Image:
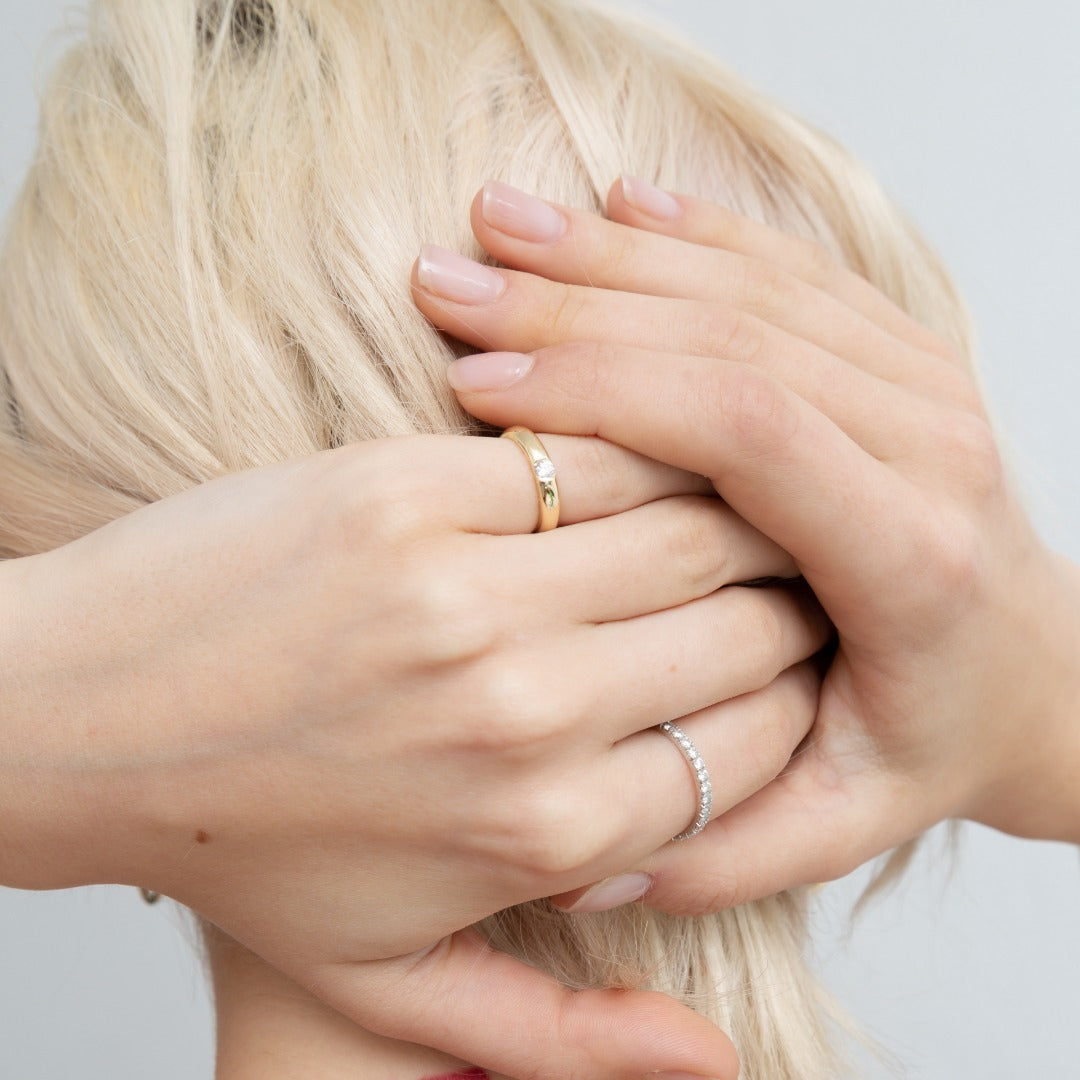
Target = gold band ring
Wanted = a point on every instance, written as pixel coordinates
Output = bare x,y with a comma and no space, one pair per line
543,474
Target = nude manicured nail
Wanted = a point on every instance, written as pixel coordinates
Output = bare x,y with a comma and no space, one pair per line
488,371
675,1076
517,214
612,893
649,199
453,277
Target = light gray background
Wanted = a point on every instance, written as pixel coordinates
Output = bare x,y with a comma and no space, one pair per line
970,112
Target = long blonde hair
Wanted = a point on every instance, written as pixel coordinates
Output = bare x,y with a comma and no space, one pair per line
208,270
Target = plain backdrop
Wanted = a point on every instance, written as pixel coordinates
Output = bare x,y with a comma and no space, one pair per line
970,112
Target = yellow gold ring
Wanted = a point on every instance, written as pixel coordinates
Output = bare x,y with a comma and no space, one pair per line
543,474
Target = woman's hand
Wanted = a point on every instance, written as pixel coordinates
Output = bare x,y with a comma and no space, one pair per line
854,438
346,706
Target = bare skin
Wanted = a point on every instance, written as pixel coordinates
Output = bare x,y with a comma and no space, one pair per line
347,706
269,1028
855,439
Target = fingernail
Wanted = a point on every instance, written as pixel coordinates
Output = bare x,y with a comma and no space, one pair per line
675,1076
611,893
468,1074
649,199
488,371
453,277
517,214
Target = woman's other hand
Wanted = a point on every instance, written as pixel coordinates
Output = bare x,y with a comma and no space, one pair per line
857,440
346,706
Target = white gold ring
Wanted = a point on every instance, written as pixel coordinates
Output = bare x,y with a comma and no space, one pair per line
701,777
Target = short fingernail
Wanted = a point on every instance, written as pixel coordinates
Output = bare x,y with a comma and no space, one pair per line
517,214
488,371
453,277
613,892
649,199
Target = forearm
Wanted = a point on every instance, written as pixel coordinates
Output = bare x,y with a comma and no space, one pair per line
58,807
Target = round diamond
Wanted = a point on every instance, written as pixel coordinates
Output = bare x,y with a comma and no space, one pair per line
545,470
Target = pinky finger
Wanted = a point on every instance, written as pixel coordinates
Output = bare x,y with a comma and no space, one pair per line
745,742
809,825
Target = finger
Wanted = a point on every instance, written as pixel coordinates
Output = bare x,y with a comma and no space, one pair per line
819,820
657,556
571,819
480,1005
585,249
674,663
745,743
531,312
635,202
777,461
524,311
485,485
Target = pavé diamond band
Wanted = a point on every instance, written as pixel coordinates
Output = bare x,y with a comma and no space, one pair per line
701,777
543,471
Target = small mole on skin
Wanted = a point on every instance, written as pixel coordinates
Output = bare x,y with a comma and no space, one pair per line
202,837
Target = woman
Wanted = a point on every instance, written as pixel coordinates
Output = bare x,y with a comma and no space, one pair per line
328,351
246,31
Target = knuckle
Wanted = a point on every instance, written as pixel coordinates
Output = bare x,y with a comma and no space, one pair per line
695,544
775,737
585,371
371,513
839,856
732,334
608,468
957,569
700,894
800,689
766,289
752,406
516,711
974,450
621,254
450,623
817,266
953,355
954,386
763,632
946,569
562,310
549,837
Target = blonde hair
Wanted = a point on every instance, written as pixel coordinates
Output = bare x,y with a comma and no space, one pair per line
208,270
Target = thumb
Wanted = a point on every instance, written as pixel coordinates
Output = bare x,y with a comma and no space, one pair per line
482,1006
816,822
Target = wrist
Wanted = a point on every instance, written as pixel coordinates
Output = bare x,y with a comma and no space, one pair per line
60,808
1036,793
